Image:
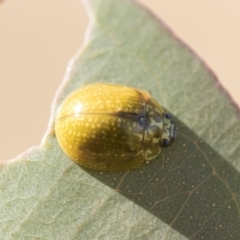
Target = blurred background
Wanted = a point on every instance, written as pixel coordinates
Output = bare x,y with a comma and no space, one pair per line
38,38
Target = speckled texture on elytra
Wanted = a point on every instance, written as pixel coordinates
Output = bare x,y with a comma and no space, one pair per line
110,127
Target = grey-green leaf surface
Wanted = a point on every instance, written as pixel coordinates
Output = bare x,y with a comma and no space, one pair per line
191,191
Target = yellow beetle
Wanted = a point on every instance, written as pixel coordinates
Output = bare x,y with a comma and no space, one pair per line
110,127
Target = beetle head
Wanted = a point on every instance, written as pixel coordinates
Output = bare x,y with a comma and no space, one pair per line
169,130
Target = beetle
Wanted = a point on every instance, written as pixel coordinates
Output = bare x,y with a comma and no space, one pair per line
110,127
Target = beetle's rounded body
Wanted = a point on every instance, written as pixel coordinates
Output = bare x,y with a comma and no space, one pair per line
109,127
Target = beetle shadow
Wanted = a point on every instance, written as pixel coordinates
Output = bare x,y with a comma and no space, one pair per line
189,186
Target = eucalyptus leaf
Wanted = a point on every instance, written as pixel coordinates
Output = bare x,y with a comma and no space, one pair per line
191,191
